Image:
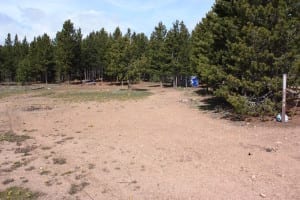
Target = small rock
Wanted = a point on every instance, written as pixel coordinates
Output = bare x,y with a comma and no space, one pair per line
269,149
280,175
262,195
278,142
184,100
253,177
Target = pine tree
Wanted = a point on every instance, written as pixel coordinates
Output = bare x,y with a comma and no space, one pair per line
157,53
119,55
102,45
178,49
139,61
173,48
45,57
1,64
184,54
27,70
244,47
203,50
8,69
89,56
68,47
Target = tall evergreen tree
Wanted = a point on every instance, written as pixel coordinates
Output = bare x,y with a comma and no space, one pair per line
28,70
178,49
102,45
139,61
118,56
186,69
45,57
89,56
1,63
68,47
8,69
157,53
202,51
249,47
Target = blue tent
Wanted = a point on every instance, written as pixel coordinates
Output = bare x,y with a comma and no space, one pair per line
194,81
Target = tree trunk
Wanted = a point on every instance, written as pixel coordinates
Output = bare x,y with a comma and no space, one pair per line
128,84
46,77
207,85
186,82
69,78
174,82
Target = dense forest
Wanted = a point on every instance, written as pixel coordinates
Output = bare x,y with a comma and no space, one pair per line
239,50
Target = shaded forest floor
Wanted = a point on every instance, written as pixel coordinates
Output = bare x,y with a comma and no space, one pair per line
71,142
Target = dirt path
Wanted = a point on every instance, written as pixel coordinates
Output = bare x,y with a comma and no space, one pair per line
154,148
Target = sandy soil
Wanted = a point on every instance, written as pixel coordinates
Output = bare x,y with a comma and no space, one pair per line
154,148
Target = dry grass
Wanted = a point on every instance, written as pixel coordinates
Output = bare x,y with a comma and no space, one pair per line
18,193
7,181
79,96
12,137
77,188
59,161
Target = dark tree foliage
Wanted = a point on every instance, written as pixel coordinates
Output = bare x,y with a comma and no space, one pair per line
99,56
8,68
117,56
138,62
68,52
178,50
158,54
1,63
94,55
243,47
38,63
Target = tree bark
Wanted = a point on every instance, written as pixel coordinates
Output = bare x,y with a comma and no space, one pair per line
128,84
46,77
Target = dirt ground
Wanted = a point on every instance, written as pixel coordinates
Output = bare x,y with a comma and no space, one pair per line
158,147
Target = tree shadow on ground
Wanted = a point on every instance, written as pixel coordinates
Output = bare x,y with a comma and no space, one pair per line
140,89
214,104
217,105
156,85
135,89
203,92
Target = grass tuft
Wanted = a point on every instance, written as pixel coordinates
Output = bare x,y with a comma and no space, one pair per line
122,95
12,137
59,161
18,193
77,188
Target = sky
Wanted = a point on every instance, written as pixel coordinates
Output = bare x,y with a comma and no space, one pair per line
35,17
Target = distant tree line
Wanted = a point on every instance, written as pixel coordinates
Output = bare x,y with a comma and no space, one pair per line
239,50
100,55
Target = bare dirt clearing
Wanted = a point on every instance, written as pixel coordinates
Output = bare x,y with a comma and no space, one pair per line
155,147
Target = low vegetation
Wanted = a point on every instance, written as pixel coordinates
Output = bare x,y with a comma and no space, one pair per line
77,188
12,137
10,91
101,96
59,161
18,193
